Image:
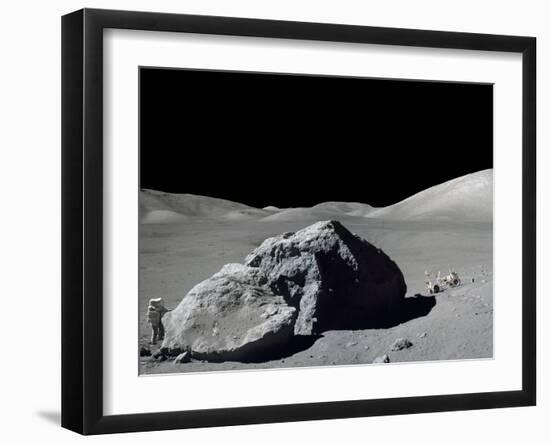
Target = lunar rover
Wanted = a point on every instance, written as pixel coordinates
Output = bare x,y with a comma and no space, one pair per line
438,284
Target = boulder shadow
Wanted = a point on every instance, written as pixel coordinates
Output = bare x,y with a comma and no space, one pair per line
296,344
383,318
416,306
276,351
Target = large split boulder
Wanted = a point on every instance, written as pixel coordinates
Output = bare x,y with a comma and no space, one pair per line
319,278
233,315
334,278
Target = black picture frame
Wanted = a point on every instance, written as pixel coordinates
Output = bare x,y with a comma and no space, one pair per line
82,220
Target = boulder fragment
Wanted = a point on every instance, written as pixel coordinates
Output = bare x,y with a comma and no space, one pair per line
232,315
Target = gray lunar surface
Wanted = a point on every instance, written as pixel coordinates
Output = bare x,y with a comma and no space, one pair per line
185,240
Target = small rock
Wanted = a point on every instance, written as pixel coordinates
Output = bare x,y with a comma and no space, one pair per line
382,359
144,352
159,356
184,357
423,335
400,344
366,347
350,344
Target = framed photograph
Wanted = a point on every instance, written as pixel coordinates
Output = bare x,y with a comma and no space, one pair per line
269,221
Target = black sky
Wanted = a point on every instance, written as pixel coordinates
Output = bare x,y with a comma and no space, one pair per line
288,140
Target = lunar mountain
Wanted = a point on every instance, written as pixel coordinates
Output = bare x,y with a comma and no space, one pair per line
467,198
